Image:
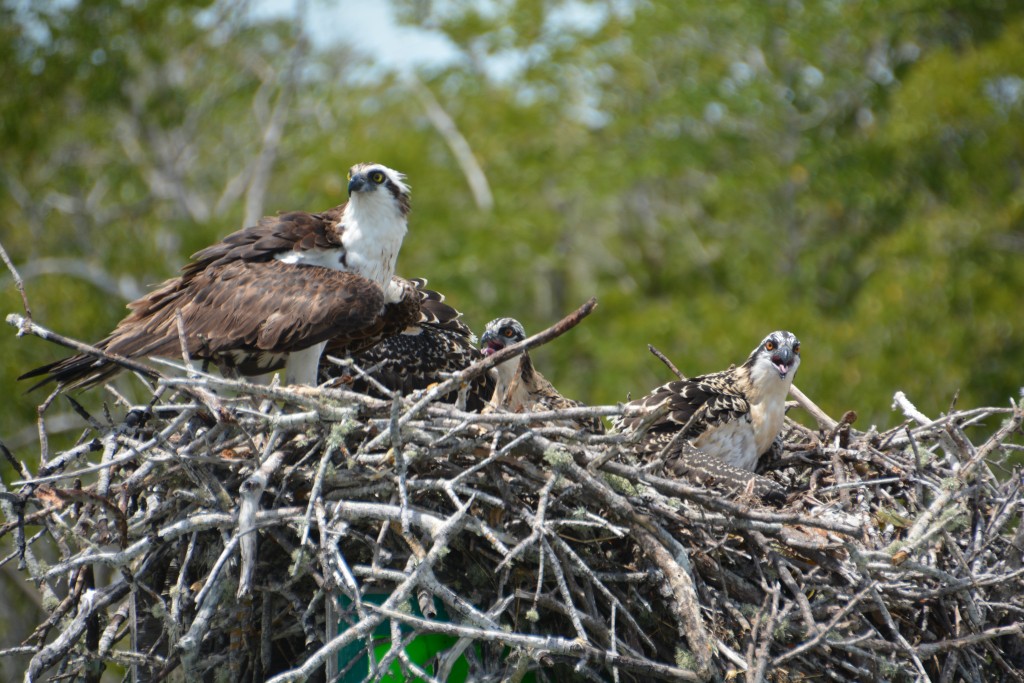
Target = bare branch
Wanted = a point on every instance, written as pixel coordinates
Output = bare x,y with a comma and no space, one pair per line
17,283
664,359
460,148
825,422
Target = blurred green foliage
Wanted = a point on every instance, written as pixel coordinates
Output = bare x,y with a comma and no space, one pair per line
710,171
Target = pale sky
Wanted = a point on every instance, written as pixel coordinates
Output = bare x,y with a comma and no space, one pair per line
366,25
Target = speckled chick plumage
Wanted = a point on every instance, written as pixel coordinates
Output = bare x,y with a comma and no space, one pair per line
520,387
733,415
420,354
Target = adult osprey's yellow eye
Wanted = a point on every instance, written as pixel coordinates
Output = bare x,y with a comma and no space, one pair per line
769,346
377,177
349,176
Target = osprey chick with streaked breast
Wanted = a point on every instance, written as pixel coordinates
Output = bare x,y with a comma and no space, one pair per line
415,355
271,295
733,415
520,387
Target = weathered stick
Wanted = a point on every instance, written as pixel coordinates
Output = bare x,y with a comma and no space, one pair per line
250,493
664,359
26,326
825,423
18,282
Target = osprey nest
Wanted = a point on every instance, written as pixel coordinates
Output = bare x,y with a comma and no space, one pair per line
228,531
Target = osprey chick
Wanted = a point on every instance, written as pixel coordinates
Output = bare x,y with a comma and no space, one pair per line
736,414
271,295
417,354
520,387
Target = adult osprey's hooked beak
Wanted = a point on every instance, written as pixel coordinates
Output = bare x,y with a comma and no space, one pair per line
357,183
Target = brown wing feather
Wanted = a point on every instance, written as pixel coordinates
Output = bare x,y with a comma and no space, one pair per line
226,309
150,328
422,353
436,313
292,231
394,318
308,305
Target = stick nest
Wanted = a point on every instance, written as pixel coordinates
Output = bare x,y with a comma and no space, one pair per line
281,534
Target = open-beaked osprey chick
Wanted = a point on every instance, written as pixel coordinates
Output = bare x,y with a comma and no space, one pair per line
271,295
520,387
736,414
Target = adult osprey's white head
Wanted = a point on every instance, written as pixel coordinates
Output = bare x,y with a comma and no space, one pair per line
371,227
365,179
272,294
375,222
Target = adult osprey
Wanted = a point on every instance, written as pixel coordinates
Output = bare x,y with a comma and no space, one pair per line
271,295
733,415
520,387
416,355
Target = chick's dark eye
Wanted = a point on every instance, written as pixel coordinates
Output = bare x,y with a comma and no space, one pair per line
377,177
796,349
769,346
508,332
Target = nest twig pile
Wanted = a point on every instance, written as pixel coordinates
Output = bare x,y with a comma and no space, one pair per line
264,533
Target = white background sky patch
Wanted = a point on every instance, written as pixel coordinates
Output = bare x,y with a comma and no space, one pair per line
368,26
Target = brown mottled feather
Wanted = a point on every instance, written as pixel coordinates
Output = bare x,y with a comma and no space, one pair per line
733,415
708,470
520,387
531,392
717,395
310,304
272,235
422,353
394,318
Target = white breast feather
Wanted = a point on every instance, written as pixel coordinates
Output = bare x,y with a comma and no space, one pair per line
374,228
767,398
733,442
506,375
325,258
